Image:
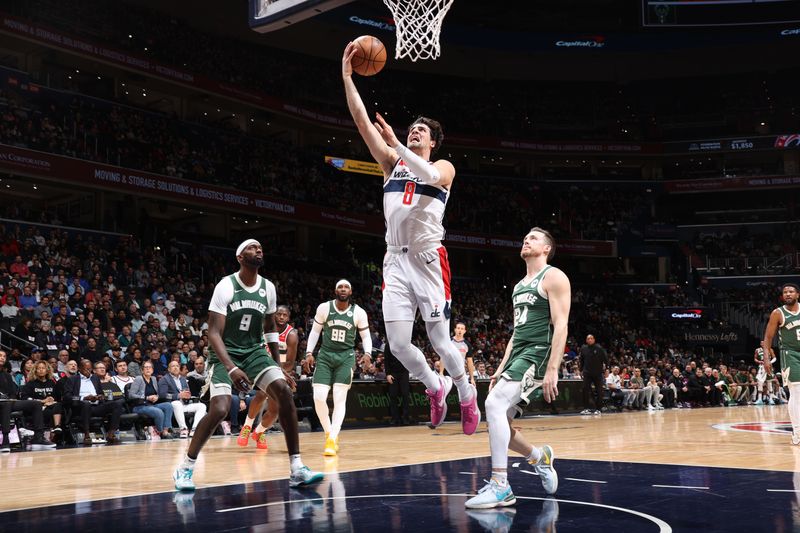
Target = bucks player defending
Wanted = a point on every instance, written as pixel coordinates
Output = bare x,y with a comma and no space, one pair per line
337,321
532,359
785,322
241,311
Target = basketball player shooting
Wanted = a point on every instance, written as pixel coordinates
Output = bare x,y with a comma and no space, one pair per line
416,271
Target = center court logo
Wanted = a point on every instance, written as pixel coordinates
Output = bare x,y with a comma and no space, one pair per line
778,428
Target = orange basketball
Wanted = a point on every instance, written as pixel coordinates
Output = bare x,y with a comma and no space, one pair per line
370,56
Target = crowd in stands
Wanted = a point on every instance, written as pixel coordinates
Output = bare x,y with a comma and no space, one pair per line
740,252
98,130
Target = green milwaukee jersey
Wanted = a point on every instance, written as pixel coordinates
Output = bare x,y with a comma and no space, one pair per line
245,313
789,330
532,312
339,330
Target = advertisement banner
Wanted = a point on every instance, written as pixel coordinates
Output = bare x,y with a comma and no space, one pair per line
731,144
736,339
354,165
368,402
65,170
685,314
731,184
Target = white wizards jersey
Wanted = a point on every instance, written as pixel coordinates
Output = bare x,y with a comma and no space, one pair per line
413,211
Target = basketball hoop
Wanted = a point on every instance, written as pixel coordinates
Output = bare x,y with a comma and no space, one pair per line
418,24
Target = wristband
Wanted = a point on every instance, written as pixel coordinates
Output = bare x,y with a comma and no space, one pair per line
232,369
271,337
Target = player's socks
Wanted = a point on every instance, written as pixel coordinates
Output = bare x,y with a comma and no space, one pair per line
465,389
260,429
249,421
500,477
534,456
295,463
188,462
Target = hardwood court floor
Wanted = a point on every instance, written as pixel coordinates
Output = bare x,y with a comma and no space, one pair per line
682,437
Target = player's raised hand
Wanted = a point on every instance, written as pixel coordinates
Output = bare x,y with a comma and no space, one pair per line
347,59
386,131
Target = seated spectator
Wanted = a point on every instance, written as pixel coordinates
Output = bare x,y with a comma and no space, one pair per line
480,372
197,377
21,377
159,362
41,387
122,378
653,394
175,389
614,386
9,311
110,388
84,393
9,401
745,384
91,352
144,395
697,390
134,360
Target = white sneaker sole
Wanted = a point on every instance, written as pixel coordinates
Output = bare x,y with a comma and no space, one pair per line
493,505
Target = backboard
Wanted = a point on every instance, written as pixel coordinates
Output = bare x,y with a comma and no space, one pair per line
271,15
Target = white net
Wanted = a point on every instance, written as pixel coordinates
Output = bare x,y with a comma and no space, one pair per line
418,24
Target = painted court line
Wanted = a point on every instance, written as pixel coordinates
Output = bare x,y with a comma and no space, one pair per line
469,473
585,480
782,490
529,472
679,487
662,525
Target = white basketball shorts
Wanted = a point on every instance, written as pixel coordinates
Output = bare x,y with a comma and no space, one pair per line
416,280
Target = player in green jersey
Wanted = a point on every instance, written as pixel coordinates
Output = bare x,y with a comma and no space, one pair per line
784,322
241,310
533,356
337,321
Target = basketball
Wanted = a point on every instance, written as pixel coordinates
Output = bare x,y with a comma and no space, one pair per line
370,56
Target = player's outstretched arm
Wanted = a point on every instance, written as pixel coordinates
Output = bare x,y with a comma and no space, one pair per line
381,153
769,335
216,325
556,284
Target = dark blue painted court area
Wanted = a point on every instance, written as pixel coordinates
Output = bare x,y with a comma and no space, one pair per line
593,496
